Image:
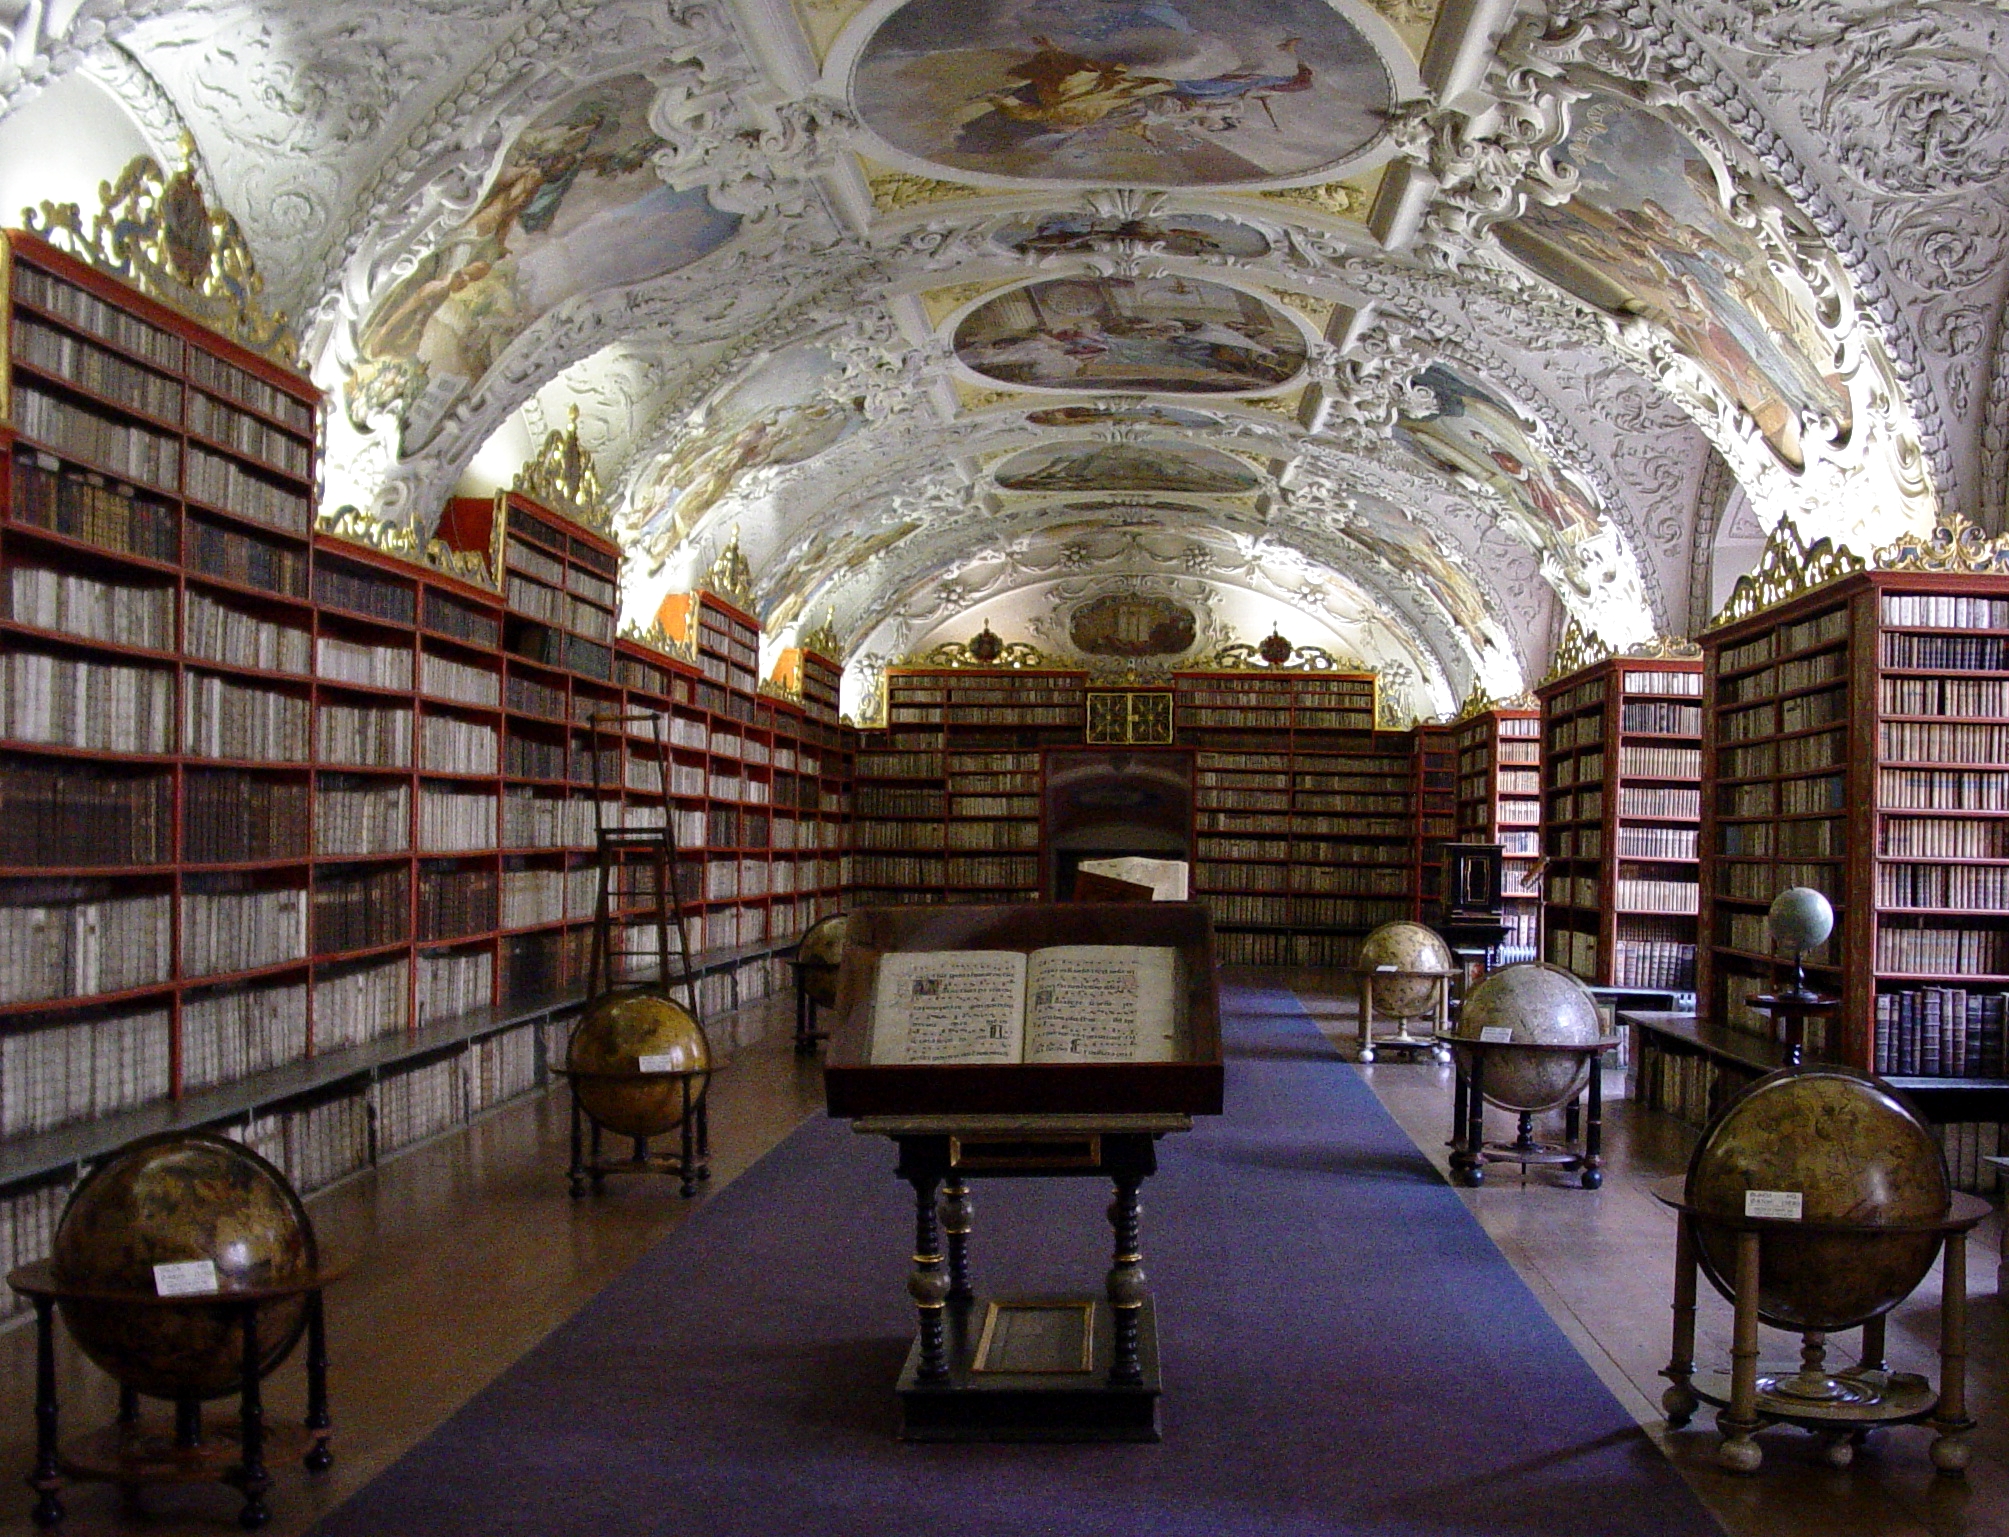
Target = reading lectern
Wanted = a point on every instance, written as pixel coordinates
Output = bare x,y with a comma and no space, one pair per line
1078,1368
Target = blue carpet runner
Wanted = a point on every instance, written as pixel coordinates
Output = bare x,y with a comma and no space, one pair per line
1344,1351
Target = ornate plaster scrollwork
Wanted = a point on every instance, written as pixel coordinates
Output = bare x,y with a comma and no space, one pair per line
1955,545
40,41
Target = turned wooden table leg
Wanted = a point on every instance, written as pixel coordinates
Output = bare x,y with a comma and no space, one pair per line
958,1218
1459,1089
47,1478
1679,1400
1950,1451
251,1476
1593,1131
1126,1281
1739,1452
1873,1345
1366,1050
687,1147
928,1285
1470,1159
319,1457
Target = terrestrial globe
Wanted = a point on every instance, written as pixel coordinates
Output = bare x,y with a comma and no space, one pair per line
1406,947
1800,918
1855,1152
1542,1005
173,1198
616,1033
821,952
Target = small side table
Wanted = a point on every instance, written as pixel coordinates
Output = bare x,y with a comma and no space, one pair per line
131,1456
1471,1152
1873,1396
1372,1042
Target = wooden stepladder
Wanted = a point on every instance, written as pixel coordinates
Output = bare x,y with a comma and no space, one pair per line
638,870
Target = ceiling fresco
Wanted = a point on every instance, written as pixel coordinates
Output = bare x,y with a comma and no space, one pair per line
1170,335
1422,331
1172,93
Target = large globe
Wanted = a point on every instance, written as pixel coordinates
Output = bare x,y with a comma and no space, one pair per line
1406,947
1542,1005
1853,1151
820,954
622,1040
173,1198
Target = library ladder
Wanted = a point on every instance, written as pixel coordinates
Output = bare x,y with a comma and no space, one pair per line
625,852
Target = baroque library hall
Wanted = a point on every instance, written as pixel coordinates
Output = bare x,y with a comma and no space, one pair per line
1299,712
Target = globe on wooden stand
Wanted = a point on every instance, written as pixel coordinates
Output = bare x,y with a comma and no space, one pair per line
1529,1040
1404,972
1801,919
817,959
186,1268
639,1066
1816,1202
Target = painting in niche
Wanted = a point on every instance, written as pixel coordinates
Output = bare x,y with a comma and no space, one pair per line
1647,233
1132,625
781,413
1167,335
1122,416
1126,467
1475,434
1453,588
1181,235
576,208
1161,93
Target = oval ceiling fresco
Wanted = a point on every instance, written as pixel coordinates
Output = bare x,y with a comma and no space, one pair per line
1075,467
1161,93
1165,335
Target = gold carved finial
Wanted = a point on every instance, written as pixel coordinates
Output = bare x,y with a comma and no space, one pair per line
1273,653
1787,568
656,638
1576,650
823,639
1954,545
984,649
158,232
1666,648
364,528
731,577
561,477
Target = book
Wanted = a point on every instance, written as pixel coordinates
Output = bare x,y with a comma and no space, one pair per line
1065,1003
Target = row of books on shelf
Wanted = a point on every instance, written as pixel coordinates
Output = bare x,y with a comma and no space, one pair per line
1655,896
1793,755
1946,653
118,614
1799,712
1639,680
1943,789
1982,888
1944,696
1661,803
1943,838
1946,611
1311,912
1336,952
1933,742
1942,951
1805,837
1660,718
1939,1032
1656,963
1755,882
1583,768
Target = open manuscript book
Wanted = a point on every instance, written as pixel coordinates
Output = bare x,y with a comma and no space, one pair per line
1066,1003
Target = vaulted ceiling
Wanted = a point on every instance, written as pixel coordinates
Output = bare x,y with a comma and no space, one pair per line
1411,328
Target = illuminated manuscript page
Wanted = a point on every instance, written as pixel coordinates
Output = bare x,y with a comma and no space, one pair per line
949,1006
1102,1003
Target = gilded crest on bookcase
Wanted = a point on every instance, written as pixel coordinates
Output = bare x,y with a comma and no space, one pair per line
1788,567
1480,702
1955,546
561,476
1577,650
658,639
364,528
984,649
774,688
1666,648
157,232
731,577
1275,654
823,641
1129,718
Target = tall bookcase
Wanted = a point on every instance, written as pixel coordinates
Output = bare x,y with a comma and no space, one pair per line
1500,801
1621,809
1858,742
1436,812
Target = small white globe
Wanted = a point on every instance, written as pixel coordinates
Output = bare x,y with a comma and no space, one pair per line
1800,919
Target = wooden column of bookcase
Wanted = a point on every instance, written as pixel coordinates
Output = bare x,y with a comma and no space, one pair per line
1858,743
1500,801
1436,812
1621,769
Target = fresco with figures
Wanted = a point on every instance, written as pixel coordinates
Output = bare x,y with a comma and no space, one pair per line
1162,93
1453,588
1171,417
1075,467
576,208
1132,625
1166,335
1648,233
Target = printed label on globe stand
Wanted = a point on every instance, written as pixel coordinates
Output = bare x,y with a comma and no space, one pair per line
1781,1204
660,1062
1497,1035
185,1278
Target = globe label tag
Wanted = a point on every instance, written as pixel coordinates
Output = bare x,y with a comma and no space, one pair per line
660,1062
185,1278
1781,1204
1497,1035
1384,968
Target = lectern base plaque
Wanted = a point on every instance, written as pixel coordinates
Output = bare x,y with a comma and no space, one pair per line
1033,1369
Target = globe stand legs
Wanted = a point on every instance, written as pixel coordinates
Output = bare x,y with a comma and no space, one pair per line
1950,1451
691,1163
319,1457
188,1423
1739,1452
1679,1400
1126,1280
47,1478
1592,1173
249,1475
1468,1158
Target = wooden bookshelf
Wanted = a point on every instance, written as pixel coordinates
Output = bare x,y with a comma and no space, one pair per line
1621,776
1858,743
1500,801
1436,800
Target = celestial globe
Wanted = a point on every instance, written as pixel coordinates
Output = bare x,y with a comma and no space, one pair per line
623,1041
1854,1152
1800,918
168,1199
1406,947
1542,1005
821,952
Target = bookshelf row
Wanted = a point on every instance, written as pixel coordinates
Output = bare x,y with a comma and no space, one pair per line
1499,800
